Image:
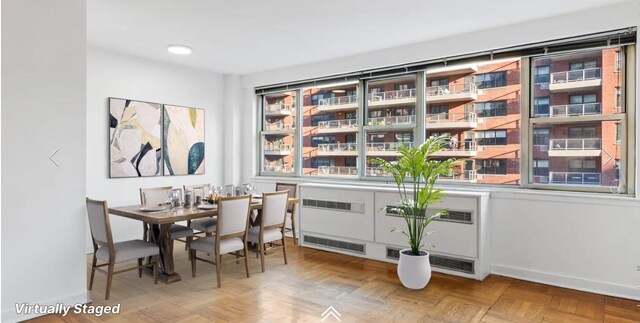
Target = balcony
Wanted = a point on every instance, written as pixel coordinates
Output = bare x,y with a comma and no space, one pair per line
397,122
375,171
337,171
457,176
278,110
386,148
338,149
336,126
277,150
452,70
578,80
452,93
278,168
539,179
584,147
385,99
575,178
575,110
459,149
338,103
464,120
278,129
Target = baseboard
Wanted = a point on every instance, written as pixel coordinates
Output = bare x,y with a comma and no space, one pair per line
586,285
10,315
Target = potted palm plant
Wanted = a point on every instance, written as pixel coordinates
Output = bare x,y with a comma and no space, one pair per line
415,173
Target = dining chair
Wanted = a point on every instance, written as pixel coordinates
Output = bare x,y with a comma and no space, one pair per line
112,253
206,225
271,228
230,237
291,208
156,196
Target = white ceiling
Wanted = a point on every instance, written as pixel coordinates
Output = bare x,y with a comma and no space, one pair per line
243,36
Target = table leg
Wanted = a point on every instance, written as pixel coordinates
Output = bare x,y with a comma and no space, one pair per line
161,235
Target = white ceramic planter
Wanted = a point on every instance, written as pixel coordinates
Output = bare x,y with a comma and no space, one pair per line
414,271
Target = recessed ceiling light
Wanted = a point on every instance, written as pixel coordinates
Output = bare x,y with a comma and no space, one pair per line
338,91
179,49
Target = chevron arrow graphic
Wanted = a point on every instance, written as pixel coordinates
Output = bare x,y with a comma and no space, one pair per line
330,312
53,160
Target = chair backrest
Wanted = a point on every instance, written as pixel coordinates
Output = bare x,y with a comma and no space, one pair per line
293,192
274,208
233,215
154,195
98,214
206,187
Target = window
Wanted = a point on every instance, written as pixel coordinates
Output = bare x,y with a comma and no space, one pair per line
582,65
491,80
582,132
321,117
491,109
278,128
541,74
540,171
541,106
618,130
618,98
492,166
435,109
541,137
618,61
616,170
392,119
328,130
491,137
440,82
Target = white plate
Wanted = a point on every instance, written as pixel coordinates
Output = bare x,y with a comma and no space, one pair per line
206,206
152,209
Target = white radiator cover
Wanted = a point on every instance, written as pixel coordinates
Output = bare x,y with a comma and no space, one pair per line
325,214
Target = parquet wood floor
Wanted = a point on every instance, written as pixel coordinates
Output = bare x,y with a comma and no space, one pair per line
361,290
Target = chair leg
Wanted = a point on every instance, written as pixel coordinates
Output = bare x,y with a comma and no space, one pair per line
192,256
284,248
218,268
109,279
140,267
237,253
156,264
188,243
246,258
145,231
93,270
293,228
262,254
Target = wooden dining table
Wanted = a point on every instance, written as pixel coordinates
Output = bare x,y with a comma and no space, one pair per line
160,232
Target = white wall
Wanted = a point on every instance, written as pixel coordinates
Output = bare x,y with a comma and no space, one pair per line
111,74
43,100
573,240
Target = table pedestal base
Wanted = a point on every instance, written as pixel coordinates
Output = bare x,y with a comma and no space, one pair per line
163,277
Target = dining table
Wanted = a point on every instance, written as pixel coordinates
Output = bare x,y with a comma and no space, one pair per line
160,231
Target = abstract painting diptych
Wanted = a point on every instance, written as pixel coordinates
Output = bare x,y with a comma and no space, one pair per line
147,139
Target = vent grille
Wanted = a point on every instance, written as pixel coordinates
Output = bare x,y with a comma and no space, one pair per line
455,264
457,216
335,244
334,205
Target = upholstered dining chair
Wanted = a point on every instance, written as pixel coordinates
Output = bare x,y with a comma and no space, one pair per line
156,196
230,237
271,229
112,253
206,225
291,208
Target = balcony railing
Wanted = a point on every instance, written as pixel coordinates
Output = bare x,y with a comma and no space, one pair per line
392,95
540,179
339,147
465,176
574,144
277,168
461,146
387,146
575,76
388,121
339,100
337,170
465,88
280,148
277,127
375,171
278,108
335,124
574,110
576,178
452,117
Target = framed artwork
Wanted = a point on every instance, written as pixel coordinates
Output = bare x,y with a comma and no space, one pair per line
135,138
183,146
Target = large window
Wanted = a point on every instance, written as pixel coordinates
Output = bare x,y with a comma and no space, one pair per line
572,104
